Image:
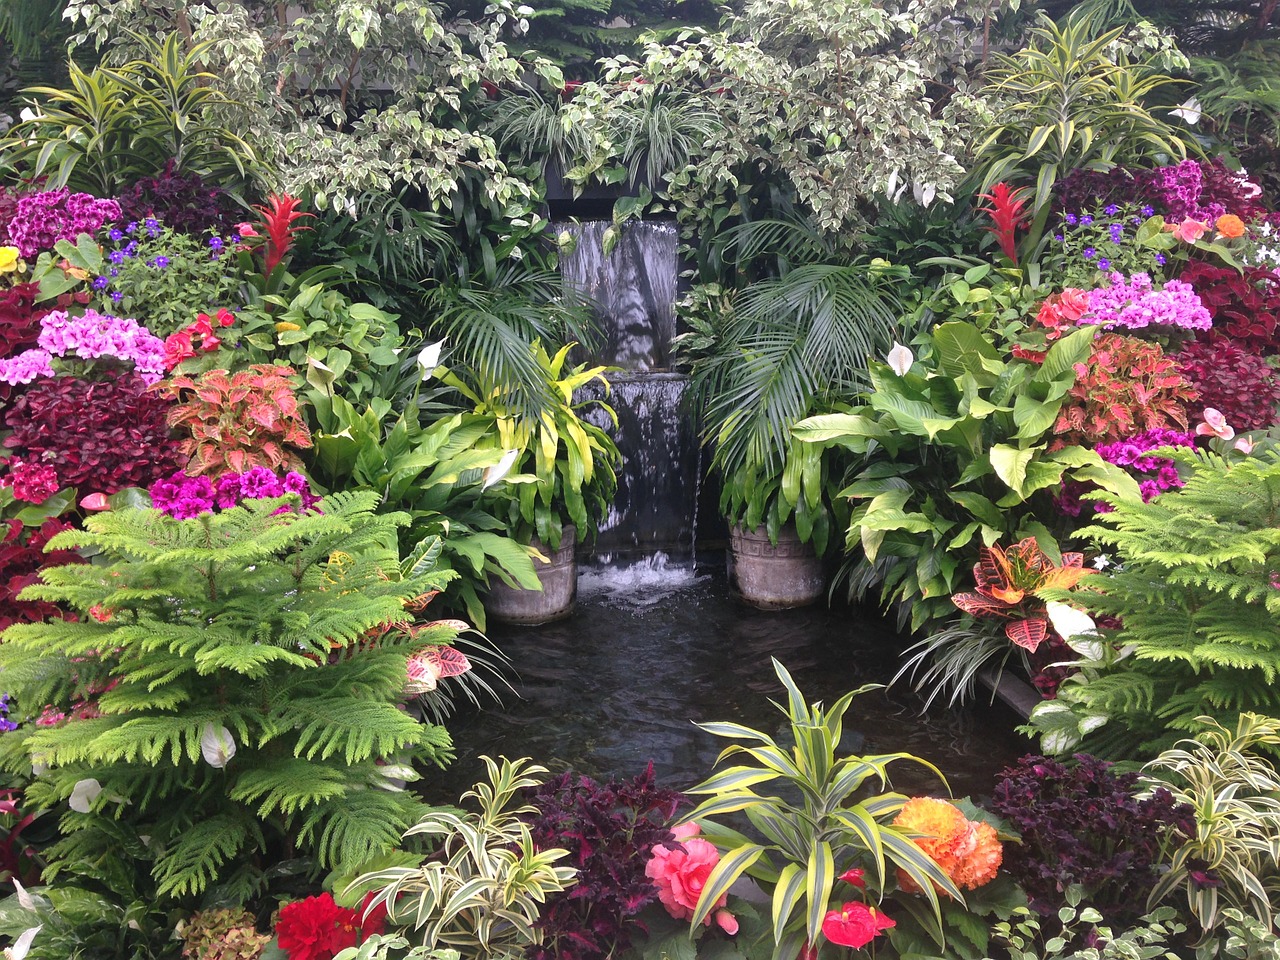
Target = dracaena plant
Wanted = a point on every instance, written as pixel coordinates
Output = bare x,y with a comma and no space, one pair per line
822,825
953,452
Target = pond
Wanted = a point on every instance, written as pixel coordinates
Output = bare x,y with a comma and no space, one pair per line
655,646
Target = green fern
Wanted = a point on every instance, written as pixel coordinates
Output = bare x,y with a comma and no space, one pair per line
272,627
1198,599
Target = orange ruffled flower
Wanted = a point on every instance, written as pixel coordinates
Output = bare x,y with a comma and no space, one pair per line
968,852
1229,226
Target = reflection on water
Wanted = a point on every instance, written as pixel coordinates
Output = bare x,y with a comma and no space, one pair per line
653,648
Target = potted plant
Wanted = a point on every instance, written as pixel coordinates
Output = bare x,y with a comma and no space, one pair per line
563,480
784,349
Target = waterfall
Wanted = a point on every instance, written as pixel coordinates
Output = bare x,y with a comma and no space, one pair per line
633,291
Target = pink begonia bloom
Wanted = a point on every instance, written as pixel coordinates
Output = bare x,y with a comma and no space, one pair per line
246,229
680,875
1244,445
1215,425
1189,231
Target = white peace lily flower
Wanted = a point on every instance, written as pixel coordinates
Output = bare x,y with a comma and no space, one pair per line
1189,111
26,114
83,794
429,358
25,900
22,946
217,746
900,359
500,469
1075,627
924,193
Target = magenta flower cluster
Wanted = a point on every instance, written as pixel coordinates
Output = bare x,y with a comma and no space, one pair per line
1135,454
31,482
87,337
42,219
1179,188
1134,304
184,497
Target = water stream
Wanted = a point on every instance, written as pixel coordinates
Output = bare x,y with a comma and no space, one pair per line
655,647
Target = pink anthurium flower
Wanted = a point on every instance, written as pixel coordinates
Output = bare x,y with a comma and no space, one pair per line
855,925
1215,425
95,502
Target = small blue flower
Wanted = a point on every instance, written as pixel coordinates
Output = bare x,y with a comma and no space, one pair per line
1161,259
151,223
1086,220
116,235
116,256
235,238
1071,219
100,283
1148,210
1111,210
117,296
115,272
131,250
160,262
133,226
215,243
1058,237
1117,232
1104,264
1089,253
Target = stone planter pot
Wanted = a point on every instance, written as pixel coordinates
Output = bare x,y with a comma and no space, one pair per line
774,578
554,601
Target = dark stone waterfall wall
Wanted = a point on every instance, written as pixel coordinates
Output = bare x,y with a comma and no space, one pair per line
634,293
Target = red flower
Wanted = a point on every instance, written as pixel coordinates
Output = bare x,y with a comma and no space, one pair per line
854,877
317,928
178,347
855,925
1008,214
277,220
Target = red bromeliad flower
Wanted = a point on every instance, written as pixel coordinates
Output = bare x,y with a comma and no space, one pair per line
1008,213
1007,581
277,221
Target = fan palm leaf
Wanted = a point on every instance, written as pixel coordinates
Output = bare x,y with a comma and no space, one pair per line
790,343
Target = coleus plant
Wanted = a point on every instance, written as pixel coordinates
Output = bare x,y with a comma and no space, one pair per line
1007,583
237,421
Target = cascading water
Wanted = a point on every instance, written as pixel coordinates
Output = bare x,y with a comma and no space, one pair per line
633,290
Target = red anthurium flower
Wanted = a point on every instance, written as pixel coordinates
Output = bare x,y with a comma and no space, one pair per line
855,925
278,221
1008,213
854,876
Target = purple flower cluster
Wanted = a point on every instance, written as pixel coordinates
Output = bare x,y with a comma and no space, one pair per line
25,367
1135,454
6,725
1134,304
87,337
184,497
42,219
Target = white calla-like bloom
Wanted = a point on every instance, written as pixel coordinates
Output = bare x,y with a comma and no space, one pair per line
217,746
900,359
495,473
83,794
429,358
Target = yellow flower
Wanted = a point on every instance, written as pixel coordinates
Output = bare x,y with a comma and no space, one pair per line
10,262
284,325
968,851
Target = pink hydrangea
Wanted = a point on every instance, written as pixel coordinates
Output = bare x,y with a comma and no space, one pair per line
42,219
681,873
1134,304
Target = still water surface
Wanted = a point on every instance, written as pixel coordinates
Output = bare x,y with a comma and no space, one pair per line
654,647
